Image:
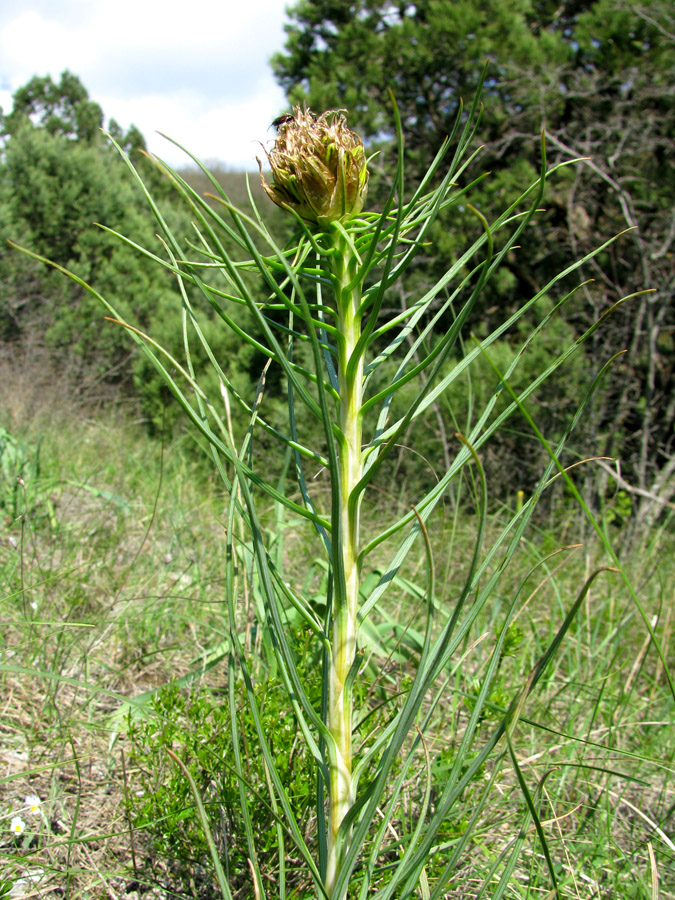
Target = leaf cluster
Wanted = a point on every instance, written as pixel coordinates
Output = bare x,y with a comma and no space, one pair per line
196,726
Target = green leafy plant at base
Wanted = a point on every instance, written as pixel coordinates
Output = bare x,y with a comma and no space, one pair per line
196,726
322,317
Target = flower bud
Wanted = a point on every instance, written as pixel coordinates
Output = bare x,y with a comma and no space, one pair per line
318,166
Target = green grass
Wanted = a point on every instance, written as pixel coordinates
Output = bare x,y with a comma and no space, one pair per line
111,562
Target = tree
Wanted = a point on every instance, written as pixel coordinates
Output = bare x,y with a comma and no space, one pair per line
58,177
599,75
63,108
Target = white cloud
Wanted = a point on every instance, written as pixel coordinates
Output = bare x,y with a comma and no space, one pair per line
31,39
228,132
198,72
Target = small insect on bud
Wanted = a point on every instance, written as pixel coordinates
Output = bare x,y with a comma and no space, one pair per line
280,121
318,166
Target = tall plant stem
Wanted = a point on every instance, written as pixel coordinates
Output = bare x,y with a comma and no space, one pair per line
345,555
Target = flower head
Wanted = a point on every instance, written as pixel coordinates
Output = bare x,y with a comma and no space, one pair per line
319,167
33,802
17,826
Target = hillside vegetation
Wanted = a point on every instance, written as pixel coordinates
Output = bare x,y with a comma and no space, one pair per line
368,511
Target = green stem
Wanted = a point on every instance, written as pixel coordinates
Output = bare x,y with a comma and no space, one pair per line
345,556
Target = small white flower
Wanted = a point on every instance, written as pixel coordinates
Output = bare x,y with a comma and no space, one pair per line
17,826
33,802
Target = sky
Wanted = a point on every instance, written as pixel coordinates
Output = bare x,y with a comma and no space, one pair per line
197,71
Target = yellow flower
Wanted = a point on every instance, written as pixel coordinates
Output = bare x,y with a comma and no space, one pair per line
33,802
319,167
17,826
